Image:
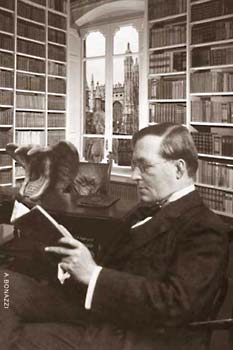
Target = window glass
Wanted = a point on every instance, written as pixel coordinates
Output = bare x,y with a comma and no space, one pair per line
93,149
126,35
125,94
94,45
94,96
122,152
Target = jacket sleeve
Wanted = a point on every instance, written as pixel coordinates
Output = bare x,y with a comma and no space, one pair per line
191,283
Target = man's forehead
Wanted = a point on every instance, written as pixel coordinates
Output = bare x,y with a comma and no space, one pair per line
147,148
148,142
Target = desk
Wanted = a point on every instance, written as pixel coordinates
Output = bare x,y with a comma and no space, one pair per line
96,227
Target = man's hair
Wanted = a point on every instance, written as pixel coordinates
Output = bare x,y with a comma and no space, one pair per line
177,143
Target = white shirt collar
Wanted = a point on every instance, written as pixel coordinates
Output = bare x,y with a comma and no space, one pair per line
176,195
181,193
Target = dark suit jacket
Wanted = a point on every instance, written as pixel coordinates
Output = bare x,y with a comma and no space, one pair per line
165,276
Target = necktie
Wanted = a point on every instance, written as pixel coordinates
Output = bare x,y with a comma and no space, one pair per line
142,212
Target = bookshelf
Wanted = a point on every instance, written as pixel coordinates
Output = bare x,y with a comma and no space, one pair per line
211,99
190,81
167,21
33,76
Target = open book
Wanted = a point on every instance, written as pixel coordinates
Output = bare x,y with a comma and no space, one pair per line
37,224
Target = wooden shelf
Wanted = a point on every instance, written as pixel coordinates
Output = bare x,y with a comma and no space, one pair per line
224,189
167,47
226,93
168,18
204,155
212,124
212,43
212,19
31,21
153,100
154,75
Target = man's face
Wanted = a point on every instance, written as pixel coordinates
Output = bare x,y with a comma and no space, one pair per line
155,176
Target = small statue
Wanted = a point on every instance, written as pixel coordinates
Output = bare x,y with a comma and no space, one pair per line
48,170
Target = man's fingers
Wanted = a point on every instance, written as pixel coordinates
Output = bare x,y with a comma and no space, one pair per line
59,250
70,241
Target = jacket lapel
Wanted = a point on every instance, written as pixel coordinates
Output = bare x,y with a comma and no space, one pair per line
160,223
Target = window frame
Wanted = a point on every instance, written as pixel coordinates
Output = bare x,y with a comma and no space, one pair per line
109,30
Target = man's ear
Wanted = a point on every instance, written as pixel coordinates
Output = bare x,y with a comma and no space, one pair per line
180,168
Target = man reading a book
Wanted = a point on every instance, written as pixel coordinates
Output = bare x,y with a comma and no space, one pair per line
163,273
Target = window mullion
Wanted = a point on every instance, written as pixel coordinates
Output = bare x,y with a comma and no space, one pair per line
108,91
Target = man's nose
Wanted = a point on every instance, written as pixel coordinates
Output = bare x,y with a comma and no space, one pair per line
136,174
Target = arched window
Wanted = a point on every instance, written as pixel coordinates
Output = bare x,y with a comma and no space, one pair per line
111,85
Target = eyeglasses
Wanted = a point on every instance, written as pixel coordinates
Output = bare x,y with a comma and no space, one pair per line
144,167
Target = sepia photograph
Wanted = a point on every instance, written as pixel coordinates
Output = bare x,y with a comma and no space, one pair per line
116,174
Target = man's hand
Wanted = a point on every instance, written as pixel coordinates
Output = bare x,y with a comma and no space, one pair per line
76,259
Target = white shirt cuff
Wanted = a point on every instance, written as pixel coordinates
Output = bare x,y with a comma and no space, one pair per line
91,287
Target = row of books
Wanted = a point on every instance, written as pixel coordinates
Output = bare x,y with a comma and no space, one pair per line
57,85
5,176
6,22
6,136
211,81
31,31
31,101
206,110
38,66
6,78
34,101
9,4
167,61
30,48
30,82
58,5
6,42
5,159
6,60
167,89
167,112
56,102
215,174
161,8
212,31
6,116
56,69
55,136
37,119
57,120
26,137
209,9
30,64
56,36
30,119
31,12
6,97
217,199
213,143
56,53
212,56
169,34
57,21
